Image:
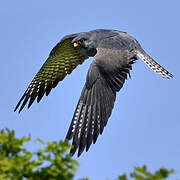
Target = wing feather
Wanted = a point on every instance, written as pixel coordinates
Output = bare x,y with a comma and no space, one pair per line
97,99
61,61
105,77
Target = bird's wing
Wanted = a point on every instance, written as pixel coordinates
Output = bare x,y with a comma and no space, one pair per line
62,60
105,77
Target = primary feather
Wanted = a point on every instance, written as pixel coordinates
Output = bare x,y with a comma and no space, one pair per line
62,60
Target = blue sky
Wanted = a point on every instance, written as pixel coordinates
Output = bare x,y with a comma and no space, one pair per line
145,124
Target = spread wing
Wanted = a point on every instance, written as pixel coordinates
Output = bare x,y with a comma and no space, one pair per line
62,60
105,77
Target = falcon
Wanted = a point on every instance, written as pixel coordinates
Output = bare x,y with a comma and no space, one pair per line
113,54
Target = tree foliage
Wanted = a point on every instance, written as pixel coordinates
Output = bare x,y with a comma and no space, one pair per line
141,173
52,162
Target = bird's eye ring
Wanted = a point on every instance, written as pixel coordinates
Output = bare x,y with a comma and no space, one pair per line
78,43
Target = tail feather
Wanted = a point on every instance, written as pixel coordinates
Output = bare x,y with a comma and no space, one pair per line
153,64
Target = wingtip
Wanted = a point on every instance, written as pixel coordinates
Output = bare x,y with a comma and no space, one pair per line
20,109
88,146
72,151
15,109
80,151
17,106
79,154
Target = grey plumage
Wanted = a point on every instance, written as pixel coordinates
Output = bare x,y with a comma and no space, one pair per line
114,53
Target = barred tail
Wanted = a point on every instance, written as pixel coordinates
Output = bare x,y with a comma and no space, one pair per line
153,64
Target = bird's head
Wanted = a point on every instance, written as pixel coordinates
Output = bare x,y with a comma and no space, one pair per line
85,44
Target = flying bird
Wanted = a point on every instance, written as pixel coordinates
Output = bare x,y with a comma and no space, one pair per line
113,54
